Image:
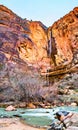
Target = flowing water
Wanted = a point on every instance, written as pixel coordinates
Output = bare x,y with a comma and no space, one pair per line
36,117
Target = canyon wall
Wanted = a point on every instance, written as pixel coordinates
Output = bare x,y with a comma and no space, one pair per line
28,50
65,33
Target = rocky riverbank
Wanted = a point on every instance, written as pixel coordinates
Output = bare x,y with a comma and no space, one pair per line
51,119
15,124
65,121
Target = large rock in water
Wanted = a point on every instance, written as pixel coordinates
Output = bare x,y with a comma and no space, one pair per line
23,55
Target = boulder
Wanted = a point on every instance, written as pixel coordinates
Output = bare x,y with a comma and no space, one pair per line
10,108
63,120
31,105
73,104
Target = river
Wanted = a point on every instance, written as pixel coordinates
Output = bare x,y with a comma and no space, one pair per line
36,117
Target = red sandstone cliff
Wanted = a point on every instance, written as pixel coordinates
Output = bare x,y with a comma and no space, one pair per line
65,33
20,38
28,48
28,40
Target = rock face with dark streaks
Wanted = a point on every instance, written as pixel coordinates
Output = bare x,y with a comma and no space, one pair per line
20,38
23,55
65,33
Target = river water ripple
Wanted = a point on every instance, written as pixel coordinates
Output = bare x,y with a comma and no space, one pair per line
37,117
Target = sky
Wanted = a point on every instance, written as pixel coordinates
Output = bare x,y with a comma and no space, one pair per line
46,11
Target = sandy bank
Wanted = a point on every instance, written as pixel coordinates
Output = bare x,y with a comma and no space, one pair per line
15,124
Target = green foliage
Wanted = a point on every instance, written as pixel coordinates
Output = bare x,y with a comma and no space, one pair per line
76,90
1,66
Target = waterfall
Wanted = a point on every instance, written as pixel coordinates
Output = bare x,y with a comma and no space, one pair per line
49,48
